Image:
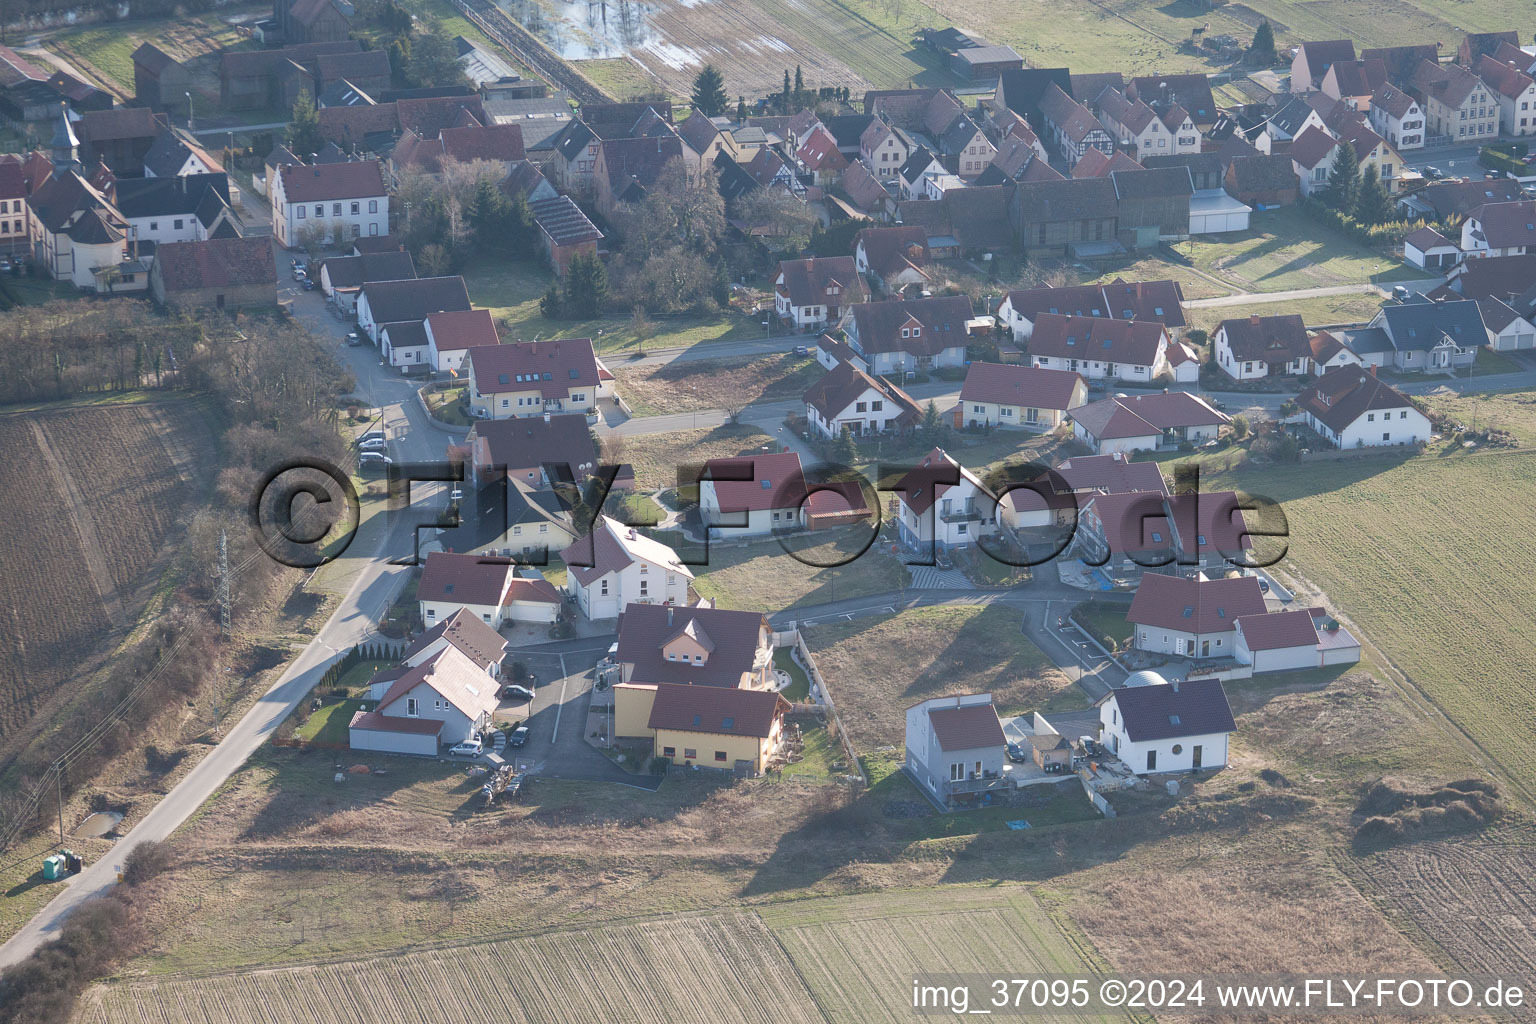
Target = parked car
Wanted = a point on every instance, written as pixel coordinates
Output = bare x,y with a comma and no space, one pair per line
1016,753
354,339
801,350
1494,175
519,736
1400,292
372,444
373,460
308,285
469,748
512,691
370,435
1434,173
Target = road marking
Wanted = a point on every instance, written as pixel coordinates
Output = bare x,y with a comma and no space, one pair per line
555,734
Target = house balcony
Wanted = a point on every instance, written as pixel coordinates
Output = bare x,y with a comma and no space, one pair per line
983,784
964,515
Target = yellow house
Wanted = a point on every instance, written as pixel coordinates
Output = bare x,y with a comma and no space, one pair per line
708,726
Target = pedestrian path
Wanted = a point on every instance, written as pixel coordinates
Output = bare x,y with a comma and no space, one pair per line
928,577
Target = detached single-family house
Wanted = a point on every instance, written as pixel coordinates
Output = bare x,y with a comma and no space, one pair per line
1192,617
695,646
534,378
1145,422
943,505
1256,346
1500,229
1159,301
703,726
463,630
955,747
1168,726
1127,532
893,257
848,396
1329,353
1009,395
539,452
1420,335
1100,347
329,204
615,566
752,496
1353,408
815,291
1296,640
910,335
489,588
442,701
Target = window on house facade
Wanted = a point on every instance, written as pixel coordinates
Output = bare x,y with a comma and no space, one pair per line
668,751
690,752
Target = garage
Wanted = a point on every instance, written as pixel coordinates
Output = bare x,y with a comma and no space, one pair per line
1212,211
388,734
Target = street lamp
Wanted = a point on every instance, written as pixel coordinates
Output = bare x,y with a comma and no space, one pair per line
189,110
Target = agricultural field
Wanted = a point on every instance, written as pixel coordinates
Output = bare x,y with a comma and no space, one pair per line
950,929
878,666
855,43
621,77
1430,556
1471,899
682,970
92,492
686,385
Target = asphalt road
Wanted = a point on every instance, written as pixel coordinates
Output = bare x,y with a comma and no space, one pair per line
368,597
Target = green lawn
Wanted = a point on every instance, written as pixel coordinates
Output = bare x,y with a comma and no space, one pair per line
449,405
108,47
1103,618
762,576
355,678
799,689
511,291
328,726
1284,250
620,77
1328,309
819,752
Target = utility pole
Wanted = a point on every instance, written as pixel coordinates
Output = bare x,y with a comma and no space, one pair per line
224,583
58,778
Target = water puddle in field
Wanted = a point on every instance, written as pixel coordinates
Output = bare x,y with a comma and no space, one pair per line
98,824
585,29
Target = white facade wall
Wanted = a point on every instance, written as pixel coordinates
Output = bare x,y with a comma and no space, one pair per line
1161,640
343,219
1212,748
636,583
1517,114
393,742
1100,370
1385,427
1280,659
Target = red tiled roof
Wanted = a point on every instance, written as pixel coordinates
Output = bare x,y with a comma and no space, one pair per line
216,263
465,631
1345,393
1194,605
554,367
1023,386
717,710
1279,630
807,281
462,328
1273,339
927,481
464,579
732,639
1136,342
971,727
755,483
357,179
372,721
1143,415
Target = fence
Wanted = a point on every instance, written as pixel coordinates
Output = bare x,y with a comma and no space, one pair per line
821,696
1096,798
1335,454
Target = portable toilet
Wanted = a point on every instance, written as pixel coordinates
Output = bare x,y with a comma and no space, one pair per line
53,867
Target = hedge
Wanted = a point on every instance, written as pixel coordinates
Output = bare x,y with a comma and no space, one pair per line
1500,161
1386,237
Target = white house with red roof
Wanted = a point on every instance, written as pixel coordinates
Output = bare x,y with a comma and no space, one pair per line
531,378
752,496
1027,397
1193,617
336,202
463,630
1101,348
489,588
943,505
1354,408
451,335
1303,638
1128,532
816,290
446,699
955,747
615,566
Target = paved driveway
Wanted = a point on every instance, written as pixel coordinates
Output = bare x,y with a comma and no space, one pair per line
557,748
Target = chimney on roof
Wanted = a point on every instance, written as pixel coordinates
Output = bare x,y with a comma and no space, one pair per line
669,615
1175,684
546,416
1253,318
1373,369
